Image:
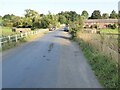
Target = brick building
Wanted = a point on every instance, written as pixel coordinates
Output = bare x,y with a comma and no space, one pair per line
102,23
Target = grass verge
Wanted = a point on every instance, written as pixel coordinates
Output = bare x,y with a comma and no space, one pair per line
105,69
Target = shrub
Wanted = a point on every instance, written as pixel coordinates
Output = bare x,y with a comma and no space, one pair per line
114,26
94,26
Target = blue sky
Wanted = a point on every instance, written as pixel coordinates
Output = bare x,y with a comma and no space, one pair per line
54,6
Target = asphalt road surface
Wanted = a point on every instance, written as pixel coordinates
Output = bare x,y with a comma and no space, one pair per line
52,61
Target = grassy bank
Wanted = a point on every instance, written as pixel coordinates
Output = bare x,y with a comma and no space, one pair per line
104,67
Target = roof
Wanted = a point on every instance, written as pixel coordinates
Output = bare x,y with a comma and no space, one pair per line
101,21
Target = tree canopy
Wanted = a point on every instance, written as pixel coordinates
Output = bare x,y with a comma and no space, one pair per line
113,15
105,16
32,19
96,15
85,14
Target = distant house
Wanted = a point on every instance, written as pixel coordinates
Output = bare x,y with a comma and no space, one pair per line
20,30
102,23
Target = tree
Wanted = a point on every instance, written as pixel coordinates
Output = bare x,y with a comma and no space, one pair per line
70,16
32,19
118,14
113,15
0,17
85,14
8,17
0,20
17,21
45,22
96,15
76,26
62,19
31,13
105,16
8,20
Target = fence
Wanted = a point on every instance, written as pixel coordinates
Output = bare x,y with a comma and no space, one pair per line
16,37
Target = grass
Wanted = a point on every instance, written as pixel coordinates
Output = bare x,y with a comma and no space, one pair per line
5,31
9,45
114,31
104,68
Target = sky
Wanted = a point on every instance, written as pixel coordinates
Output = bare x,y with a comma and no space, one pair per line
17,7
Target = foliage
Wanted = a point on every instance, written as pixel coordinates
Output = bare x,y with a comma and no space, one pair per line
62,19
44,22
32,19
114,26
105,16
118,14
113,15
5,31
85,14
68,16
96,15
75,27
94,26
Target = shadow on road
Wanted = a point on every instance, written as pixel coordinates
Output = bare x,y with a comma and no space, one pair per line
64,37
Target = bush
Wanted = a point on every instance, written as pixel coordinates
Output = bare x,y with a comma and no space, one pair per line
94,26
75,27
114,26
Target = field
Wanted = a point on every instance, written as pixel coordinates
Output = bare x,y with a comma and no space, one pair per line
5,31
113,31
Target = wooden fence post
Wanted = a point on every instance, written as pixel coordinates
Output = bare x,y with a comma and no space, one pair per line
26,34
21,35
0,44
16,38
9,38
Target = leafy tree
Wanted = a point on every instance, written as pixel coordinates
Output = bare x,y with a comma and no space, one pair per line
69,15
96,15
0,20
118,14
45,22
32,19
0,17
62,19
112,26
105,16
30,13
76,26
7,23
7,20
113,15
8,17
85,14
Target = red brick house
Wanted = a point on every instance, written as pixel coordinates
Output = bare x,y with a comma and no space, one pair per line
102,23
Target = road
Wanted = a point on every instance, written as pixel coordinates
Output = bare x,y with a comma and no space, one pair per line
52,61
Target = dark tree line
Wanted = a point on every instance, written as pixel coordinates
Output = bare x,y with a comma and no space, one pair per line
97,15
